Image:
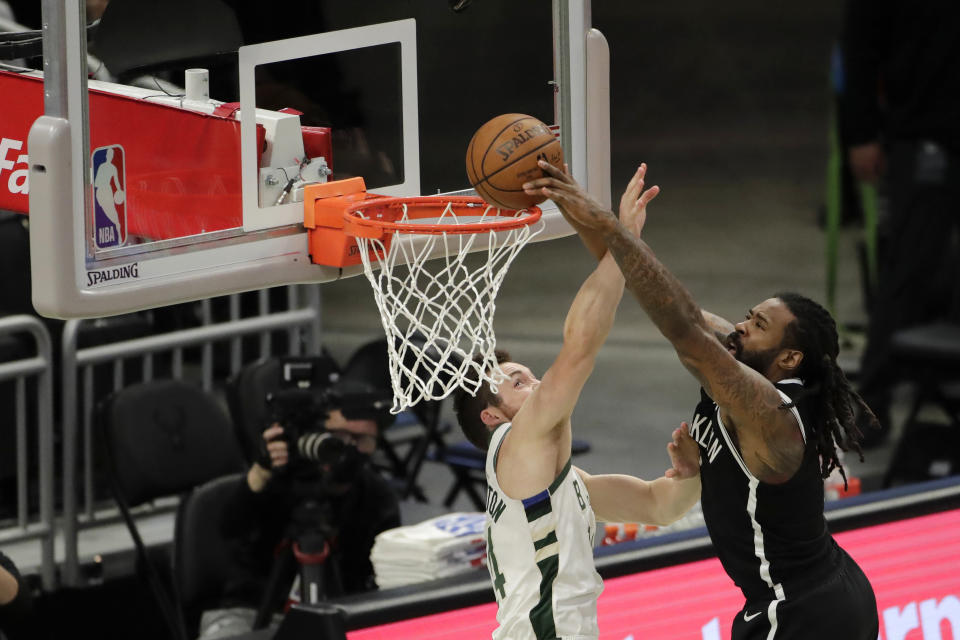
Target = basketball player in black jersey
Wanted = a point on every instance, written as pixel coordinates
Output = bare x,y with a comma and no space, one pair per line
774,407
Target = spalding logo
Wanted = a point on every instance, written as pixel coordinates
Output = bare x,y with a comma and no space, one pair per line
521,136
103,276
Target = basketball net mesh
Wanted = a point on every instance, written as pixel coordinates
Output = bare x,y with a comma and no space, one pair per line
437,310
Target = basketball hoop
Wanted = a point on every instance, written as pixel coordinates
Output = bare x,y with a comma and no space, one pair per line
437,310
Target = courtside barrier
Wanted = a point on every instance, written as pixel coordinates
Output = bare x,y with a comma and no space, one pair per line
146,356
31,376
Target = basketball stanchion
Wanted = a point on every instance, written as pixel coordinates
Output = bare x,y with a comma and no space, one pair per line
437,307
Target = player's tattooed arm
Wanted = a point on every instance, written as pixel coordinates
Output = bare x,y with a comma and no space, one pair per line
662,296
573,201
721,327
749,401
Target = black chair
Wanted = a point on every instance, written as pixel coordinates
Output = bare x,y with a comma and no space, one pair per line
247,401
468,465
164,438
411,440
928,358
202,560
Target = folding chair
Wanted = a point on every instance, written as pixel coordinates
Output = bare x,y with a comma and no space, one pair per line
163,438
203,561
246,396
928,357
405,444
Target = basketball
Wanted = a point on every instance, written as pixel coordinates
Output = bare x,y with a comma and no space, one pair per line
503,154
118,197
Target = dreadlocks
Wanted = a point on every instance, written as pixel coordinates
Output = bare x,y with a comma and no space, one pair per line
814,332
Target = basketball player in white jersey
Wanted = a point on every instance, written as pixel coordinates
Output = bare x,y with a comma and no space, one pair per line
540,521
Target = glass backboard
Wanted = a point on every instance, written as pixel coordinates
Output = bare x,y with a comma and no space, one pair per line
181,175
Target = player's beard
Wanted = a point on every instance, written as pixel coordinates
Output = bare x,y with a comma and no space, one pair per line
759,361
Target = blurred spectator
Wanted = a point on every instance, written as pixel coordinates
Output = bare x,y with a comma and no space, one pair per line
901,119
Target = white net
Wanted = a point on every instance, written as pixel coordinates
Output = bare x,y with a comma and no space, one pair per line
437,309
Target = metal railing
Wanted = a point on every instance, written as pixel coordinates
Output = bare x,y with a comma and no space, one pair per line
147,354
27,525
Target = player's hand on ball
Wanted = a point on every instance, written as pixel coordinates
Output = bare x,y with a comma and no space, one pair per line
574,202
684,454
633,203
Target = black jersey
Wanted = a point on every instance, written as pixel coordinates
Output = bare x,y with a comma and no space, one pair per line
772,539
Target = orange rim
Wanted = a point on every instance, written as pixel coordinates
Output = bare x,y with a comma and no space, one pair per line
383,213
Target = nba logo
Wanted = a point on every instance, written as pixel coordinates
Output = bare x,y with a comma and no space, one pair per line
109,197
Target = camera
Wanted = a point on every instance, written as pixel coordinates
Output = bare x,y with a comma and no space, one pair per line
309,389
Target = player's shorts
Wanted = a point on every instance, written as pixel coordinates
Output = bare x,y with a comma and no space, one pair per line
842,607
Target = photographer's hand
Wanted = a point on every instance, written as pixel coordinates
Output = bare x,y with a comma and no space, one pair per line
275,446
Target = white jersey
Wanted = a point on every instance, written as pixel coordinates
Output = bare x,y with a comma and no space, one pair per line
540,557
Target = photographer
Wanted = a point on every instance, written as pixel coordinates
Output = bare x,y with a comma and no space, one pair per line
314,480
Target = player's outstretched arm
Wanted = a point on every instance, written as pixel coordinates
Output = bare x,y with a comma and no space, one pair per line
585,329
663,297
538,444
721,327
623,498
749,401
592,240
633,207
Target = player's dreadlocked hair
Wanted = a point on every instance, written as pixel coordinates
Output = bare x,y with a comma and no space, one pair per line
468,407
814,332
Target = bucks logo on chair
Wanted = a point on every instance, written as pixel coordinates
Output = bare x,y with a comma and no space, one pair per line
109,197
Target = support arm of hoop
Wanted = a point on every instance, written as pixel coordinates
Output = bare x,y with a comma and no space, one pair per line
320,201
330,242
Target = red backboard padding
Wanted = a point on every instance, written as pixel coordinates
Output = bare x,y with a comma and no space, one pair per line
182,167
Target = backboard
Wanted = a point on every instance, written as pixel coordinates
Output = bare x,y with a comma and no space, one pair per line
184,178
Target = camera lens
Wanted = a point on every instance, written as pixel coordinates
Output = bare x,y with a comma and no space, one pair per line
320,447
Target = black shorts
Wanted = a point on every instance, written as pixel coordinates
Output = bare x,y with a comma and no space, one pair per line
842,607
